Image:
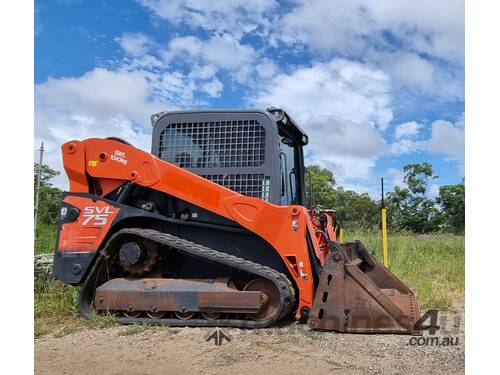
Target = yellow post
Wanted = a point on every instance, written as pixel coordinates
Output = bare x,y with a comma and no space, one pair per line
384,236
341,236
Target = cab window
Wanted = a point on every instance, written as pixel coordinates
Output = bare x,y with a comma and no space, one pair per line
289,173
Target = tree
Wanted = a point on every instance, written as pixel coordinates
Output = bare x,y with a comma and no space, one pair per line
352,209
322,185
452,201
355,210
50,196
410,208
46,176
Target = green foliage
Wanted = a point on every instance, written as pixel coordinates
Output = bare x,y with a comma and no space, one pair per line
53,300
47,174
452,201
323,184
416,176
45,238
48,210
56,310
49,205
49,198
410,208
136,329
353,210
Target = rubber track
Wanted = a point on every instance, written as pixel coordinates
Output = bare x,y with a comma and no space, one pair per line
287,298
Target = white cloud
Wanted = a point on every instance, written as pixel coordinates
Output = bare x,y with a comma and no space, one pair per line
102,92
221,51
190,45
346,148
226,52
239,17
433,191
447,139
342,105
427,26
267,68
396,177
407,129
213,88
203,72
134,44
419,44
411,71
177,85
406,146
340,88
406,68
100,103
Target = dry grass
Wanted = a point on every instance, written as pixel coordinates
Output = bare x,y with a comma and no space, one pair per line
432,265
56,310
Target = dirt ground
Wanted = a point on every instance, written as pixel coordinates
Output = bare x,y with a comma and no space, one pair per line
289,349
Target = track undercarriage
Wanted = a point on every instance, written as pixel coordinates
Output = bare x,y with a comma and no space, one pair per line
355,293
251,296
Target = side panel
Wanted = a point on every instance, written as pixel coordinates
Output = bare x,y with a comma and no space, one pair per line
80,236
85,234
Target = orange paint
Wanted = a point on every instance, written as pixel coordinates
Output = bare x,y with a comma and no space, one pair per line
85,234
284,227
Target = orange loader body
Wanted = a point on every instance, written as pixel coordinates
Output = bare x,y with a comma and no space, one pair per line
126,209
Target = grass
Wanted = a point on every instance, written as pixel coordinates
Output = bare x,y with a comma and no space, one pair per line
433,266
135,329
56,310
45,238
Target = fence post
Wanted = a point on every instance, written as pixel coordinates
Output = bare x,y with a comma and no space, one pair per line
383,212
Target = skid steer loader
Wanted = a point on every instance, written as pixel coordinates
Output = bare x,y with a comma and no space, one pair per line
212,229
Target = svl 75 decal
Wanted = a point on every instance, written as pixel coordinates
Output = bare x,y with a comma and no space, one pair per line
97,216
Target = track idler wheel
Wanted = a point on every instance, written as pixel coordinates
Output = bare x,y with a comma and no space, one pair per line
155,315
270,298
210,315
132,314
184,315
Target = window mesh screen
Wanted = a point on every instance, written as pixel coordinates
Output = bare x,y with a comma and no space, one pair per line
219,144
214,144
250,184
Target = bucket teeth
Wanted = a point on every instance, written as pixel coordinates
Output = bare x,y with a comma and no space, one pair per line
356,293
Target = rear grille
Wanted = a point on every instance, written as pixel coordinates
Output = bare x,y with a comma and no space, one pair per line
214,144
250,184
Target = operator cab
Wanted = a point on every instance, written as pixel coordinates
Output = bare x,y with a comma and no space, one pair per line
254,152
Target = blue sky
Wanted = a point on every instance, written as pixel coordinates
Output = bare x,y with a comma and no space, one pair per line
376,84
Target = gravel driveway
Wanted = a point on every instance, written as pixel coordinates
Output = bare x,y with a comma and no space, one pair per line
290,349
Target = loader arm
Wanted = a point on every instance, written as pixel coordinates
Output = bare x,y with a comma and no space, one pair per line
284,227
